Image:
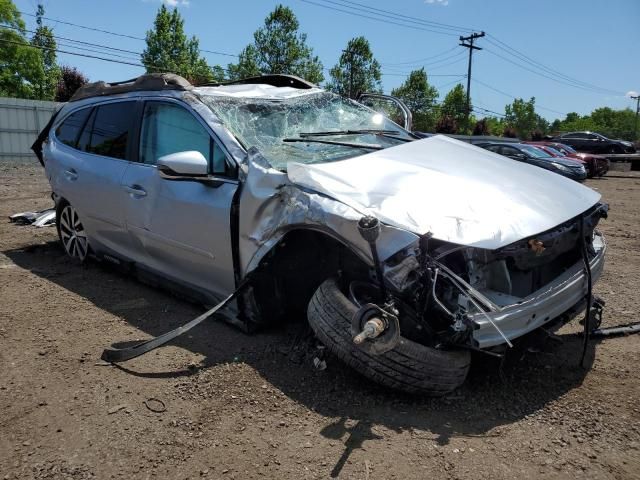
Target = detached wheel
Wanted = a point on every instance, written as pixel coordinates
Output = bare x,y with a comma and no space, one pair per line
71,232
409,367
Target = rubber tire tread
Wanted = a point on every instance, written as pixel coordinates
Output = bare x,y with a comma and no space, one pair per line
409,367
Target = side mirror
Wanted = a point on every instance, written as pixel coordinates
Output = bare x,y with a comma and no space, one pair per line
181,165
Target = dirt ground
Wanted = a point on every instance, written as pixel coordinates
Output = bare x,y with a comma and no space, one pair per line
221,404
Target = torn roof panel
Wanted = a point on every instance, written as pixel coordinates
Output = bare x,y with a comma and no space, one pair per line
262,91
460,193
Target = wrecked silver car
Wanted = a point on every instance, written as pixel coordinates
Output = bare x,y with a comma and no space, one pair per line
405,254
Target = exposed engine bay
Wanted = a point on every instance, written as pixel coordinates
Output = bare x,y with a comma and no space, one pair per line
438,291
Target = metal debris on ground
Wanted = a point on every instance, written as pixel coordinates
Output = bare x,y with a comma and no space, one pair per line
623,330
42,218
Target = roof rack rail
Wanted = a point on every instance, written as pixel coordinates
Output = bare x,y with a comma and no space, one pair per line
151,81
273,79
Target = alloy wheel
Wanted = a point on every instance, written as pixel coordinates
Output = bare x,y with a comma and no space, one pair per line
72,234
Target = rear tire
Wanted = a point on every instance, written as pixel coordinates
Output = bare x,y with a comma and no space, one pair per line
410,366
71,232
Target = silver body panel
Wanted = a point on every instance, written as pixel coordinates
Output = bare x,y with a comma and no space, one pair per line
181,229
271,206
458,192
542,306
178,229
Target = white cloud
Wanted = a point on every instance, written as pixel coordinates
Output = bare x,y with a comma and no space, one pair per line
632,93
442,3
172,3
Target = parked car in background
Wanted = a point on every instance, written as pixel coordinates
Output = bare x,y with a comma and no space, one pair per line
405,254
597,165
535,156
592,142
558,154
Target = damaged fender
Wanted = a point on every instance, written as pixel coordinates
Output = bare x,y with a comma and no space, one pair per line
271,205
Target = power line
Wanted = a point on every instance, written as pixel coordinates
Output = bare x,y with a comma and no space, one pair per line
512,51
475,80
113,60
484,111
425,64
401,74
123,35
430,69
104,47
555,79
57,50
450,83
409,18
420,60
138,54
383,15
132,52
382,18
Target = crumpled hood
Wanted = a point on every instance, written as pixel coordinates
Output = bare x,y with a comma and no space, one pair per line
460,193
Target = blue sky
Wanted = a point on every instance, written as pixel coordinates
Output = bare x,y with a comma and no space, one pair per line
592,41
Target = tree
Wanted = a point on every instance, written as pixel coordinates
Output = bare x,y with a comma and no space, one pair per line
495,126
357,71
247,65
481,127
447,124
614,123
521,116
537,135
509,132
454,105
420,97
169,50
21,65
70,80
542,125
278,48
43,38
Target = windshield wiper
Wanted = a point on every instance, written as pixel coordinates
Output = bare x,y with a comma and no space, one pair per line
383,133
368,146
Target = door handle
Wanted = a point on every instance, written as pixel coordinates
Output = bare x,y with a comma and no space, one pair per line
136,190
71,174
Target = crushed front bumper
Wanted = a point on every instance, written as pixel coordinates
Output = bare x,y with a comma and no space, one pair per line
542,306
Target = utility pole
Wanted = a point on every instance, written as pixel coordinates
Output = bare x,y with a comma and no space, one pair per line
467,42
635,128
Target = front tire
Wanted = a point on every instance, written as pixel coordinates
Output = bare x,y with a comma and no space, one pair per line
71,232
410,366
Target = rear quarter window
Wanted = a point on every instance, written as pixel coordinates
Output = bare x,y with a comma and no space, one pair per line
69,129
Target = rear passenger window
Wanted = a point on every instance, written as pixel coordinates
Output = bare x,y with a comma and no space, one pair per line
69,130
110,130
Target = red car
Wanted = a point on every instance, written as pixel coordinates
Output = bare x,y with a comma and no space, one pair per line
596,165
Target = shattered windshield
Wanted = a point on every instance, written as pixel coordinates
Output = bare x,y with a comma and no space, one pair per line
314,128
